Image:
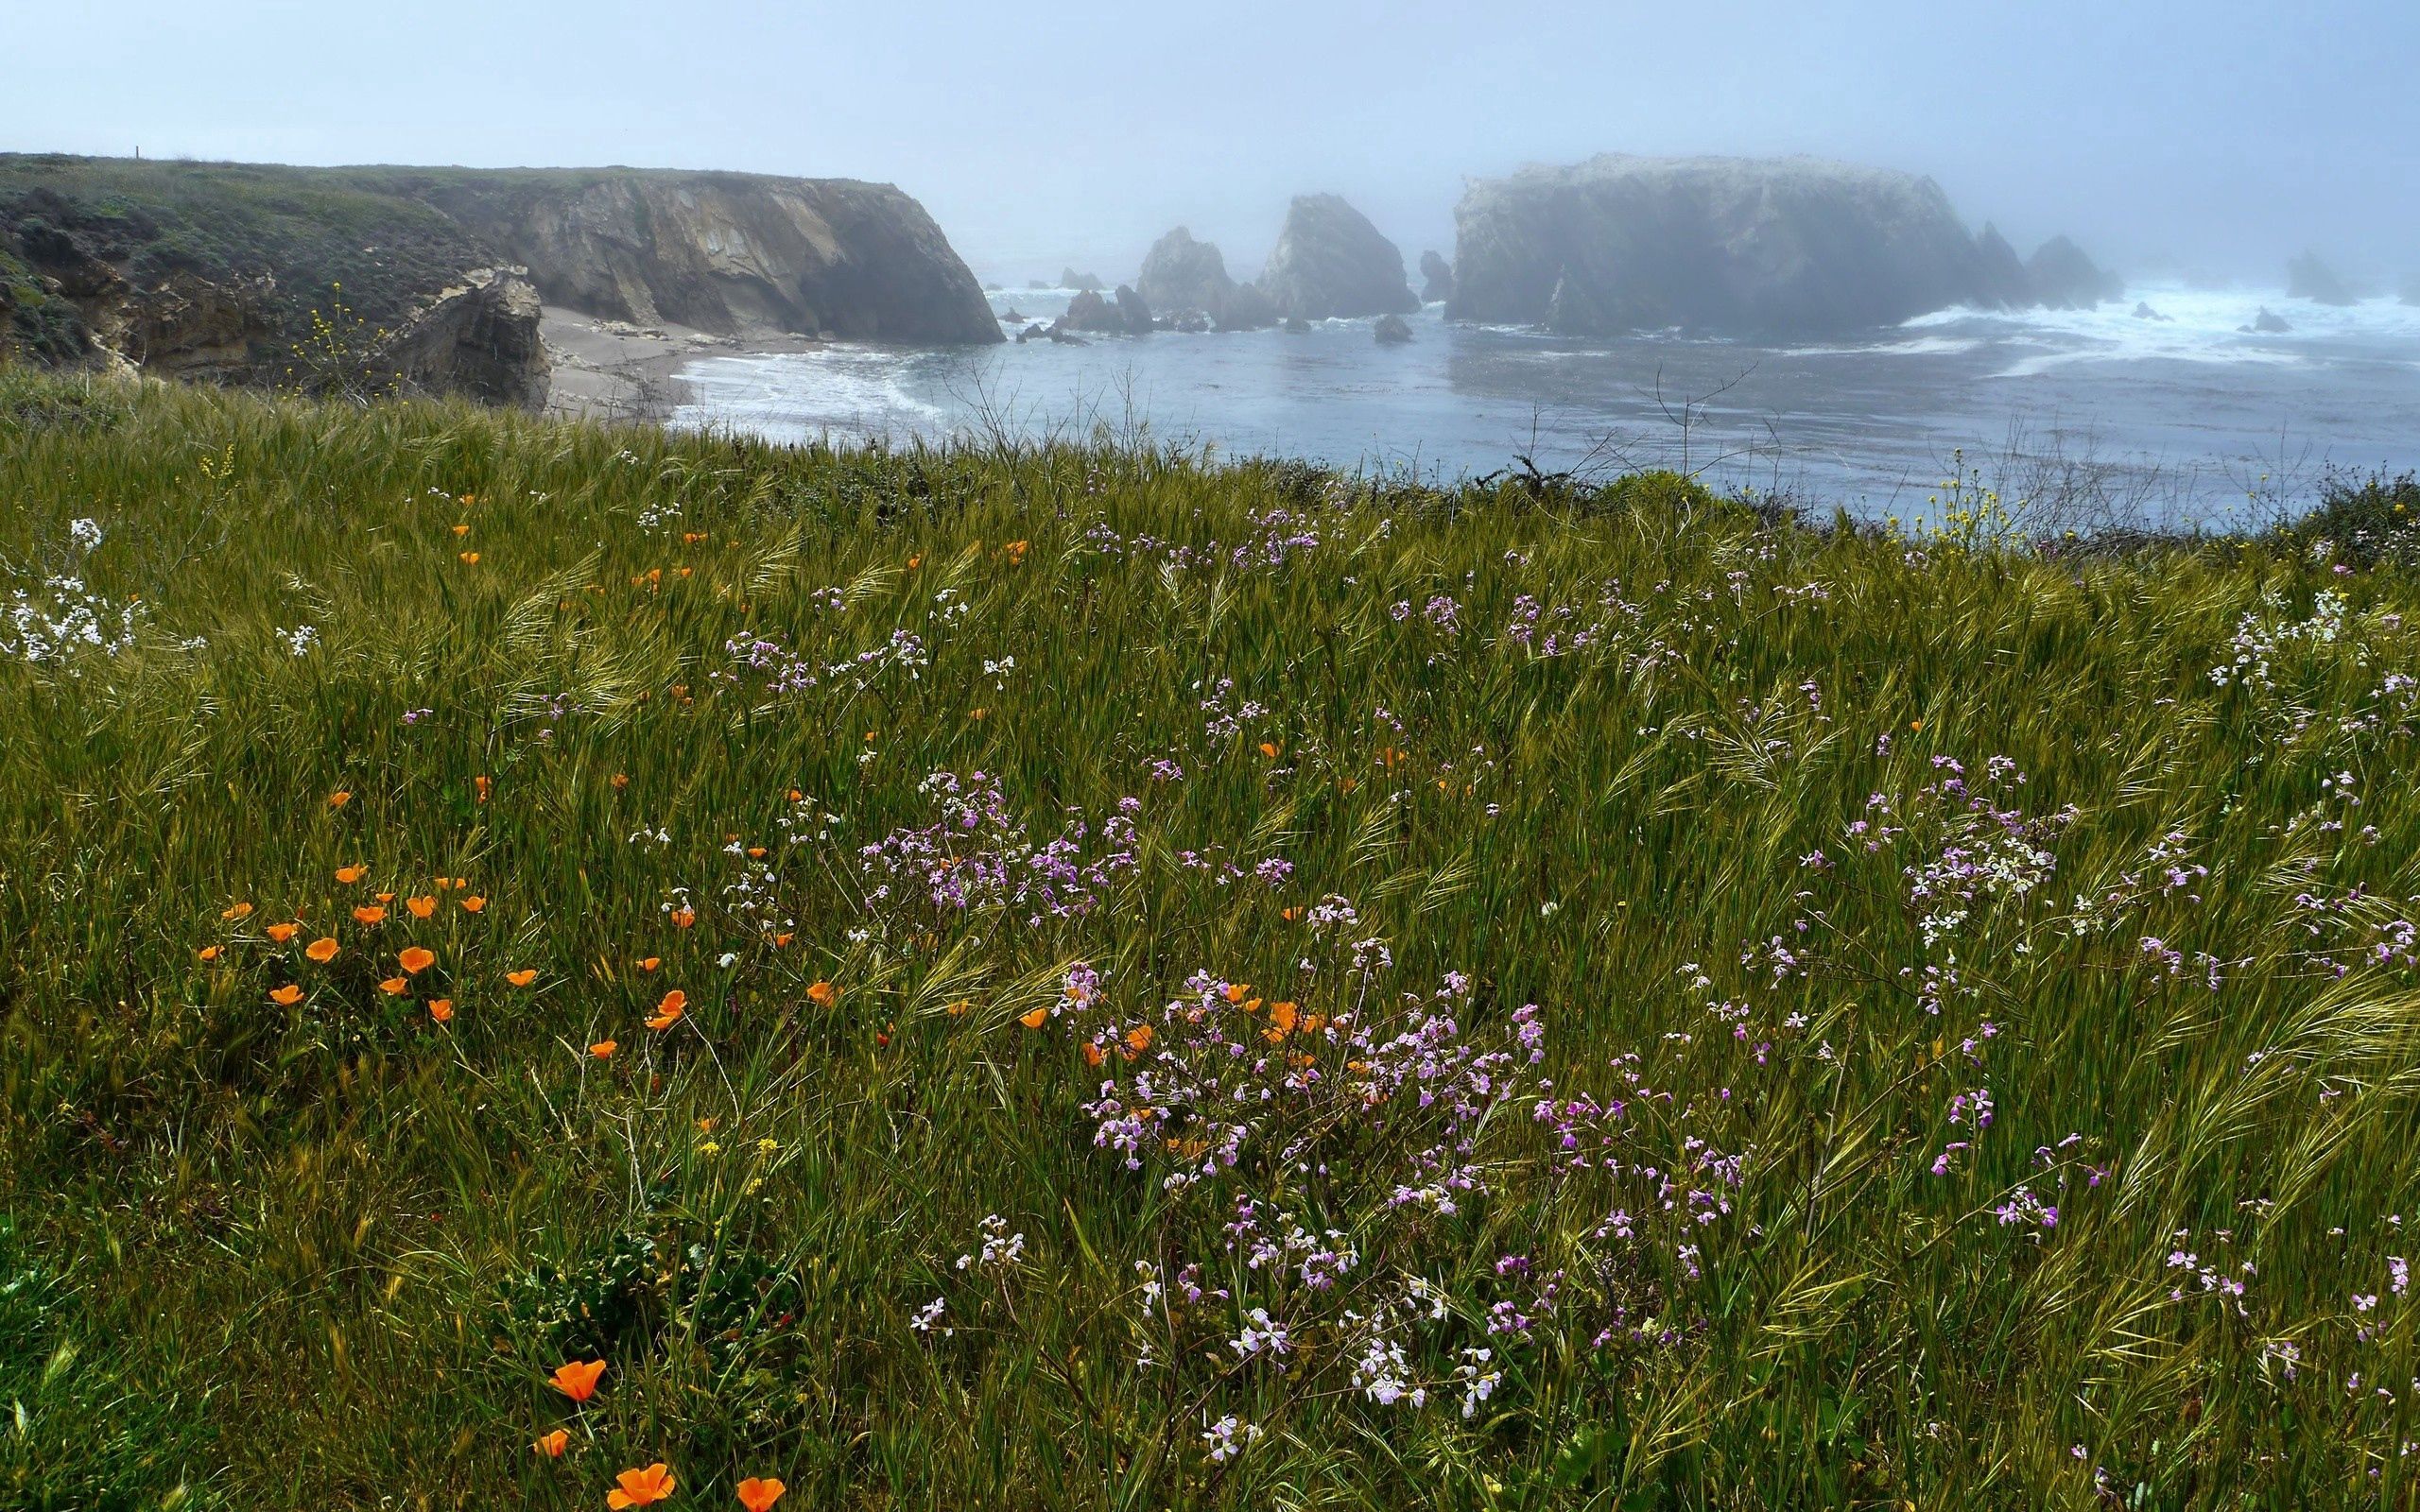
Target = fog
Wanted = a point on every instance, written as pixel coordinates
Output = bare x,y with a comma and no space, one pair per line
2215,138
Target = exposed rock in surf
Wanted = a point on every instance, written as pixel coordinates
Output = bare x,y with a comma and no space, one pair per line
2000,276
1435,278
1390,331
1080,282
1331,262
1247,309
1183,275
2144,312
2063,277
1297,326
2308,278
2267,323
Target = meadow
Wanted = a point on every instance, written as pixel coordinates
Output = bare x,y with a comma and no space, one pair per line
543,962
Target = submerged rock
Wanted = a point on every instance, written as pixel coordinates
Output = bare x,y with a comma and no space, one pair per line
1331,262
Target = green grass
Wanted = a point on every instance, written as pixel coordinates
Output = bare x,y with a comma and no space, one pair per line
328,1253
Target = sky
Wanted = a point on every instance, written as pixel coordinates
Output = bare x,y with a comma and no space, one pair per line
2218,137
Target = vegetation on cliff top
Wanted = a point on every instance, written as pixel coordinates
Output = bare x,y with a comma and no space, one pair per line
1090,978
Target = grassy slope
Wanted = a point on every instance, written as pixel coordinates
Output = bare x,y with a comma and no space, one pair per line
271,1255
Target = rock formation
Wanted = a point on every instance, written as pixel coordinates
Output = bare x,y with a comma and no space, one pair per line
1390,331
1080,282
1181,274
1791,247
1330,262
2144,312
2308,278
2062,277
1435,278
217,270
1247,309
2267,323
1126,315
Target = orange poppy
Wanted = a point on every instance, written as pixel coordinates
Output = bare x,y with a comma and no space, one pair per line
755,853
758,1495
1235,990
461,531
323,950
209,953
1139,1037
551,1445
958,1009
469,559
416,959
823,994
367,914
603,1048
386,896
577,1378
782,939
237,911
650,963
482,783
915,561
441,1009
395,987
1091,1054
621,780
1289,915
1269,749
339,799
286,996
474,903
421,906
641,1487
280,934
684,917
1036,1018
668,1012
351,874
521,978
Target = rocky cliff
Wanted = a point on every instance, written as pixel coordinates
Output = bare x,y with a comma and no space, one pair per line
1330,262
429,280
1787,247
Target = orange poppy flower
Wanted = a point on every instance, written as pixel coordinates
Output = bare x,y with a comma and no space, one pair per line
1091,1054
421,906
684,917
416,959
1289,915
755,853
1269,749
280,934
351,874
367,914
621,780
551,1445
603,1048
521,978
641,1487
339,799
469,559
823,994
1036,1018
482,783
461,531
208,953
782,939
323,950
915,561
474,903
577,1378
650,963
395,987
1139,1037
1235,990
958,1009
441,1009
286,996
668,1012
758,1495
386,896
237,911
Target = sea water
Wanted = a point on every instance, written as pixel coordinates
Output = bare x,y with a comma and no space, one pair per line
2163,422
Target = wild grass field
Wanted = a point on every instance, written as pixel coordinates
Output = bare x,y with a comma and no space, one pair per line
1094,978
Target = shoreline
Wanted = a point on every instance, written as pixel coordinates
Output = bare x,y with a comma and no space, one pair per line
615,371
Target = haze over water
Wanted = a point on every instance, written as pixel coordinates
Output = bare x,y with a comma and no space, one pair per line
2193,412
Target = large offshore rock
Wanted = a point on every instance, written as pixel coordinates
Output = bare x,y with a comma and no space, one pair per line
1782,247
2308,278
1181,274
1331,262
2063,277
1435,278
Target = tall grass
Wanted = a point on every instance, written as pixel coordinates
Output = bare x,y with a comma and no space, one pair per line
1200,985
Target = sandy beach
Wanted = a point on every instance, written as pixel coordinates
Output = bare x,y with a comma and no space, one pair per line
613,370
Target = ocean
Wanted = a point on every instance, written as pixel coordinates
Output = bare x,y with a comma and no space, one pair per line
2092,418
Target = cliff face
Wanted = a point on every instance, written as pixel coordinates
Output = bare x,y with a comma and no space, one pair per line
366,279
1785,247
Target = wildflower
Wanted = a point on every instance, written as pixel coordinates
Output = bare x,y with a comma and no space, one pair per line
668,1012
483,785
280,934
684,917
603,1048
1036,1018
208,953
959,1008
286,996
621,780
823,994
469,559
441,1009
323,950
522,977
349,875
462,530
1269,748
339,799
577,1378
421,906
415,960
395,987
551,1445
641,1487
367,914
756,1495
1139,1037
237,911
474,903
650,963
